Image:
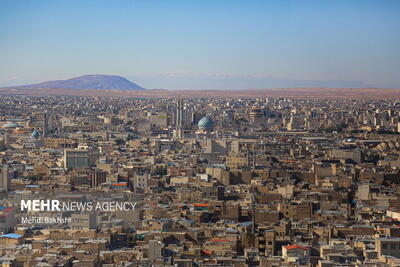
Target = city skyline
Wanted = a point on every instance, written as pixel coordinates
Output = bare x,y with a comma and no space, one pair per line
182,133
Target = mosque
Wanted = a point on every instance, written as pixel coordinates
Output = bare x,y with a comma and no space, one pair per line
205,125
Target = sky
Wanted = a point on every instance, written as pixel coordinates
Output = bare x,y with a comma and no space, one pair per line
203,44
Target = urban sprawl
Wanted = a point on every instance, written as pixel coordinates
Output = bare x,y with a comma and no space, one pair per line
214,181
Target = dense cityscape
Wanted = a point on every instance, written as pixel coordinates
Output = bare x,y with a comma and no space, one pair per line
199,181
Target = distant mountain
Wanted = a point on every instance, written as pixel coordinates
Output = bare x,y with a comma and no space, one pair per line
97,82
210,81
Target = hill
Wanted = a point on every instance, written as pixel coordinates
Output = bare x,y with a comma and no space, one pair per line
93,82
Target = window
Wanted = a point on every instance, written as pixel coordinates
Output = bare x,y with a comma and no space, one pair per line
393,246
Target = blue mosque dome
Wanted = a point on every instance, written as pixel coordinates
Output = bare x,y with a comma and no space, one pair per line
35,134
11,125
205,123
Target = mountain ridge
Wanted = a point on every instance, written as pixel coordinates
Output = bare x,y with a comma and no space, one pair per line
83,82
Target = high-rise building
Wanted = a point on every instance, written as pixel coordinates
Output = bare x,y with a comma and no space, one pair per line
155,250
42,119
7,219
183,119
183,115
179,114
5,177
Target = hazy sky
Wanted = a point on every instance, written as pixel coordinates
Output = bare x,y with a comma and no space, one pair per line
200,43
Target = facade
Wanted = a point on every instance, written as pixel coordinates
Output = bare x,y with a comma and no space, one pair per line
5,177
388,247
79,158
56,143
296,254
237,160
7,219
83,221
155,250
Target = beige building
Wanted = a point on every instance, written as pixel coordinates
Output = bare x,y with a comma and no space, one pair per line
388,246
237,160
59,143
83,221
79,158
